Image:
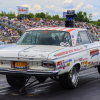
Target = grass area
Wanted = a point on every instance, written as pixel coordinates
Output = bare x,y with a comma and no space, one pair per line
95,23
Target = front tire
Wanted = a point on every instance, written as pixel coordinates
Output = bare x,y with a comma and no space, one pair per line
70,80
16,81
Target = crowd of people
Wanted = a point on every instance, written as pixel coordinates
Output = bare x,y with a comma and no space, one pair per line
93,30
31,23
26,23
5,31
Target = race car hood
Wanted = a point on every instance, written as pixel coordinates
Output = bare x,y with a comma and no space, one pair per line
28,51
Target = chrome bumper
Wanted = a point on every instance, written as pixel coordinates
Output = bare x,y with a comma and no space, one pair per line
29,72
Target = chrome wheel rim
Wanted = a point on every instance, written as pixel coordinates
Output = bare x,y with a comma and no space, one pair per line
74,76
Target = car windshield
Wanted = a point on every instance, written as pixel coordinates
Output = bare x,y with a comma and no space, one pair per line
47,37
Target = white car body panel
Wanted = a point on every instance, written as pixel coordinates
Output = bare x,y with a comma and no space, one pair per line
70,56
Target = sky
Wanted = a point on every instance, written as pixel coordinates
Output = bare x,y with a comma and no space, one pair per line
54,6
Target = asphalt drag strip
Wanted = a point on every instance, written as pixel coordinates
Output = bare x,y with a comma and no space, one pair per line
87,89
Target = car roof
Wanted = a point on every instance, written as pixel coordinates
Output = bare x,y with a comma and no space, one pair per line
57,29
73,31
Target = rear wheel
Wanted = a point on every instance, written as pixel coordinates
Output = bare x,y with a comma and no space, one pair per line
70,80
16,81
98,69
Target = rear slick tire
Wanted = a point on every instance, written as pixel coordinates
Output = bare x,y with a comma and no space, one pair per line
70,80
16,81
98,68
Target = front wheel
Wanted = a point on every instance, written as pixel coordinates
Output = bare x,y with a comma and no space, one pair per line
70,80
16,81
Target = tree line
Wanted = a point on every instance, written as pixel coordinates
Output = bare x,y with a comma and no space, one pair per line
31,15
81,16
10,14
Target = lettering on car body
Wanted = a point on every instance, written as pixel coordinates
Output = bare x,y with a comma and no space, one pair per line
70,51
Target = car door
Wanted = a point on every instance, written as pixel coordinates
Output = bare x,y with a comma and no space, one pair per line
92,49
84,54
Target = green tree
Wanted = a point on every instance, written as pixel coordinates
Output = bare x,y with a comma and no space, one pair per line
98,20
42,15
2,13
37,15
86,19
48,17
55,17
98,23
80,16
31,15
90,17
47,14
84,14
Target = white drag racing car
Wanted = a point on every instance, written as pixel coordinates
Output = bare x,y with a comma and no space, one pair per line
55,52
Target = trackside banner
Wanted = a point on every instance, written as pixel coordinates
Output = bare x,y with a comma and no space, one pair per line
22,10
64,14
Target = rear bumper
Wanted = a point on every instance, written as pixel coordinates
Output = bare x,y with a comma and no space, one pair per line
29,72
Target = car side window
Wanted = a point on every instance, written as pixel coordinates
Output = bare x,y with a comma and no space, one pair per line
84,37
79,40
67,39
90,36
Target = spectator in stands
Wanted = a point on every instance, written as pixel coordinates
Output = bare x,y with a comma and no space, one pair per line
3,40
0,28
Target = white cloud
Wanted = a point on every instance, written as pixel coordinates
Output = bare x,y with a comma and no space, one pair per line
78,7
67,1
68,4
13,10
26,5
54,6
10,9
60,15
95,13
57,10
90,8
53,9
37,6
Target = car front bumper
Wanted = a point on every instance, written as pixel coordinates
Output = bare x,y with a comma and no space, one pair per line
29,72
